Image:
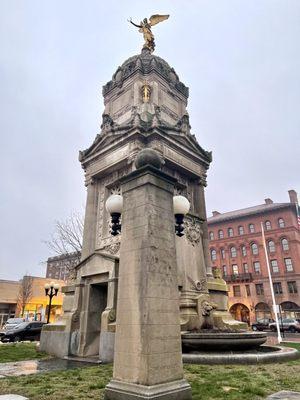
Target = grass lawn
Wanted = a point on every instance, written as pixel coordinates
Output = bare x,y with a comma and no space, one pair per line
19,352
234,382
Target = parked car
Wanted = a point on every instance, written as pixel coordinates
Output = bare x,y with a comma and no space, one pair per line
262,324
287,324
11,323
24,331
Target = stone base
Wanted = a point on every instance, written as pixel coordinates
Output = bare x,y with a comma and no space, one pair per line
106,348
177,390
55,340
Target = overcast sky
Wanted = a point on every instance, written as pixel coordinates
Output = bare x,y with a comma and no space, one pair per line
240,59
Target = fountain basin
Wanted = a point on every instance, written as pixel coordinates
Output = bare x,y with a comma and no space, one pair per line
222,341
261,355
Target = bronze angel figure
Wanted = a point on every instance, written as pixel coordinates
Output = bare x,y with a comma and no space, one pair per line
145,29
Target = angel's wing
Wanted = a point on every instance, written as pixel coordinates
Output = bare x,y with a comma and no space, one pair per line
156,18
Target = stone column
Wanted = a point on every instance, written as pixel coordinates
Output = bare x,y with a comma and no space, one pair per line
205,238
90,220
148,359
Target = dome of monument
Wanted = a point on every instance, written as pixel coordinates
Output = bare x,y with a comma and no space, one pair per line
145,62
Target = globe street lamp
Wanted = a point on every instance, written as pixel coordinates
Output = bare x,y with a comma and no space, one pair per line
51,290
181,207
114,205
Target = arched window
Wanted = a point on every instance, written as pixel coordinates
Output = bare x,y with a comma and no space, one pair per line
244,251
233,251
221,234
213,255
211,235
224,270
251,228
223,253
271,246
241,230
281,223
254,249
285,244
268,225
230,232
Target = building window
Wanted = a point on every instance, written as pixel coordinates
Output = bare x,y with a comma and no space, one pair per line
230,232
268,225
244,251
223,253
254,249
271,246
213,255
233,251
274,265
211,235
245,268
259,287
292,287
235,269
251,228
237,291
288,264
221,234
224,268
256,266
277,287
285,244
281,223
248,293
241,230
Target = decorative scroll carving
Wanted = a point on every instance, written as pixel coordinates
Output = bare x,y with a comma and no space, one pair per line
112,315
200,286
193,231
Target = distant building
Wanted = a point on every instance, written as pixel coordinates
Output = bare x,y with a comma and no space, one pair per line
36,307
8,299
61,267
236,247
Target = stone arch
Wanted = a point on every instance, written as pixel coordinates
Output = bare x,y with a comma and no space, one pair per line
289,309
240,312
262,311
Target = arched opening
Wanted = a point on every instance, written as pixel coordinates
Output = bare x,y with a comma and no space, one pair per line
240,312
290,310
262,311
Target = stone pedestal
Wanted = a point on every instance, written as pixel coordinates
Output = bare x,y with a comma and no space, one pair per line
148,359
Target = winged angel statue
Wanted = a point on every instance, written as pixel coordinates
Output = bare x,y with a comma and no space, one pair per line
145,29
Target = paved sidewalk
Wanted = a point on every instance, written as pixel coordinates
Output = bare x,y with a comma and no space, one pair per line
36,366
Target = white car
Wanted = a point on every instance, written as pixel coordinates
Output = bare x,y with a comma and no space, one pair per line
11,323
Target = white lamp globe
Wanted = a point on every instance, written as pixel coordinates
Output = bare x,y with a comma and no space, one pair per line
181,205
56,286
52,284
47,286
114,204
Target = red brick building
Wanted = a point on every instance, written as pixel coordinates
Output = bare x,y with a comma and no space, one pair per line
236,247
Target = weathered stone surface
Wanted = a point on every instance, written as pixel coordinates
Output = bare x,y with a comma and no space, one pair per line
284,395
148,342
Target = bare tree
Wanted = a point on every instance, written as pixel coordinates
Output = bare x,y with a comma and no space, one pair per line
67,240
25,293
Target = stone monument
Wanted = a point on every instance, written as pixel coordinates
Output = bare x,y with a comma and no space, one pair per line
145,107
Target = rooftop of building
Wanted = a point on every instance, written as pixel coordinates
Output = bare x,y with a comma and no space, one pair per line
268,206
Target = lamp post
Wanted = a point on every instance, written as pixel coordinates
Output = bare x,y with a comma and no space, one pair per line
51,290
114,205
181,208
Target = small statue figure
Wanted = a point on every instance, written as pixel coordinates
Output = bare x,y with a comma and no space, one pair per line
145,29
